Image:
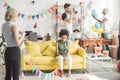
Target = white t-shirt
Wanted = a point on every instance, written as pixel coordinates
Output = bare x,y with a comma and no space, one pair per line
106,25
68,26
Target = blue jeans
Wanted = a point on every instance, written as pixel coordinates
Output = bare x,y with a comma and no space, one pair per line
70,38
106,35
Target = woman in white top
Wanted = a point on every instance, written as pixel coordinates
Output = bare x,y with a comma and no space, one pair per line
12,38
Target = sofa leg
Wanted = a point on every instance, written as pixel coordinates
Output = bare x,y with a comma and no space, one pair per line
83,71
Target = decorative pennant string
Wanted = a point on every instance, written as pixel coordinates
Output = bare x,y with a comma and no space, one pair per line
50,10
40,74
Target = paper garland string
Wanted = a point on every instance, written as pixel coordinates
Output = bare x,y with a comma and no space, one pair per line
40,74
37,16
88,8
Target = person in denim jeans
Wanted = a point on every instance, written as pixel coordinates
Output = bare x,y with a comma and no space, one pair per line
105,25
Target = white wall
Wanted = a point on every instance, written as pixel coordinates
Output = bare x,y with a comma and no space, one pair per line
47,24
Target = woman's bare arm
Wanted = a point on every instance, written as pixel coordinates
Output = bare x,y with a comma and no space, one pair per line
57,50
16,36
97,19
3,39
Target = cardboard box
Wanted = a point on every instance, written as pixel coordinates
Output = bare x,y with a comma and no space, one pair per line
90,49
113,51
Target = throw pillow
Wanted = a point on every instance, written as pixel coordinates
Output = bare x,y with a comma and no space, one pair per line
34,50
73,46
50,51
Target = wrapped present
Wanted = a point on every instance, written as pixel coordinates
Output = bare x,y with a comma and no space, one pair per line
113,51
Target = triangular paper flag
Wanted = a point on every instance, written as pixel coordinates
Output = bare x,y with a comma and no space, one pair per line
58,17
37,16
55,72
29,17
23,15
80,79
25,52
22,75
49,76
18,14
37,72
46,76
46,13
58,72
49,10
33,17
8,7
42,15
34,68
52,8
22,46
42,76
81,3
5,4
55,6
31,62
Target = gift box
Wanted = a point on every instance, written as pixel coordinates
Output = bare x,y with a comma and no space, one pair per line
105,53
113,51
98,50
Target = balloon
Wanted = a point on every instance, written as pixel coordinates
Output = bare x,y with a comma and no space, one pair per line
94,29
97,25
94,13
99,31
118,65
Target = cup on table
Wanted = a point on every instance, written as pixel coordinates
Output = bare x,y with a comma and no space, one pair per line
98,50
105,53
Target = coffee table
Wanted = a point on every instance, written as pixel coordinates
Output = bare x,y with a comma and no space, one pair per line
90,57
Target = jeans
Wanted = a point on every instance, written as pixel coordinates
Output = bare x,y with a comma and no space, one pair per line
60,61
106,35
70,38
12,62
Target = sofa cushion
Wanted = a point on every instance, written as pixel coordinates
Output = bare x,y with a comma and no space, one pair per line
34,50
50,51
73,47
44,60
29,43
43,45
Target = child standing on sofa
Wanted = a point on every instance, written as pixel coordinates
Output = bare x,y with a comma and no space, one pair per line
63,51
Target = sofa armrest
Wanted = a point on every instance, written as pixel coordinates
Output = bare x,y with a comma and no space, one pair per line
82,53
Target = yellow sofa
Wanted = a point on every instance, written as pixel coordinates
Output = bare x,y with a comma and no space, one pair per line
43,55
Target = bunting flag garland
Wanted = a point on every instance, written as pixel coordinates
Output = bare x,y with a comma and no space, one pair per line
37,16
40,74
88,8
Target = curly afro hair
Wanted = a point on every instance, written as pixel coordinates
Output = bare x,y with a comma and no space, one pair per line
64,32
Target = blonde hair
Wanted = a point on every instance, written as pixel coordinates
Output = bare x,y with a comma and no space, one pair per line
10,14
